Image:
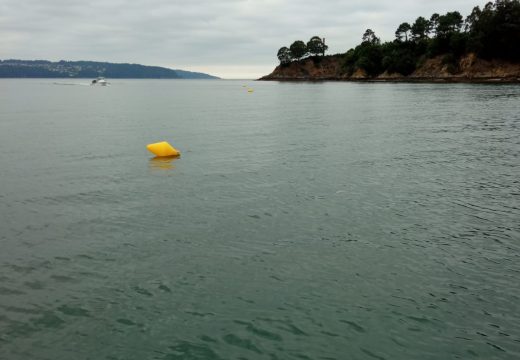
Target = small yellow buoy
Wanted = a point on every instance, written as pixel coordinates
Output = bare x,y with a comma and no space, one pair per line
163,149
250,90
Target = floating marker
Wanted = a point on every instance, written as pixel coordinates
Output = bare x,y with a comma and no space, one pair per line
250,90
163,149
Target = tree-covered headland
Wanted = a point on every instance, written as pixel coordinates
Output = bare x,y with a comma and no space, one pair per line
491,32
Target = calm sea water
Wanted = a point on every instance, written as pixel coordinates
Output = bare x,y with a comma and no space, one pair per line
303,221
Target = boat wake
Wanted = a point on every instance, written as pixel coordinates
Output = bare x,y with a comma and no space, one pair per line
71,84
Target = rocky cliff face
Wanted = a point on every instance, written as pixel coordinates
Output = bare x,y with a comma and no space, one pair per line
326,68
468,69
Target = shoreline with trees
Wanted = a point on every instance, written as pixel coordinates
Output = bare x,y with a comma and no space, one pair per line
483,47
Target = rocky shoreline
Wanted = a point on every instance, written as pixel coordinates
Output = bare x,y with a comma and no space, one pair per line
404,79
468,69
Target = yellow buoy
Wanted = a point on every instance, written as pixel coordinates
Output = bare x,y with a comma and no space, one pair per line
163,149
250,90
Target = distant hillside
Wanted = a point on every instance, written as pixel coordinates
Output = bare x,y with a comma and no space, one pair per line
183,74
91,69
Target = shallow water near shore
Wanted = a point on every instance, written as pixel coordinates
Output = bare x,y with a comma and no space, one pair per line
302,221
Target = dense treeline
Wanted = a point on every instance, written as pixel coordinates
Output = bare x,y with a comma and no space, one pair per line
490,32
298,50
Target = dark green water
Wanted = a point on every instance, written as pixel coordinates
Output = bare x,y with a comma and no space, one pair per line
303,221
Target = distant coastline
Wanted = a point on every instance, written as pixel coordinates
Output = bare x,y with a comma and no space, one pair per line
91,69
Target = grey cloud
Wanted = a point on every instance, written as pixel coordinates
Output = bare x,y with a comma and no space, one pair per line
195,33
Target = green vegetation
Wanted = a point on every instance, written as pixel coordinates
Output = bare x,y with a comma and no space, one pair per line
299,50
316,46
491,33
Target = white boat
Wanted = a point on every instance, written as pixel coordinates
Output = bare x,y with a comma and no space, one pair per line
99,81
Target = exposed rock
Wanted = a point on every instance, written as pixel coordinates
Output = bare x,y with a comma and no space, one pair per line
468,69
432,68
313,68
389,76
359,74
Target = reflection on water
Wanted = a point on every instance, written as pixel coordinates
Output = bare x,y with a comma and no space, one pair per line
162,162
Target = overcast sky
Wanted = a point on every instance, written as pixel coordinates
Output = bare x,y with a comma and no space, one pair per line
227,38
